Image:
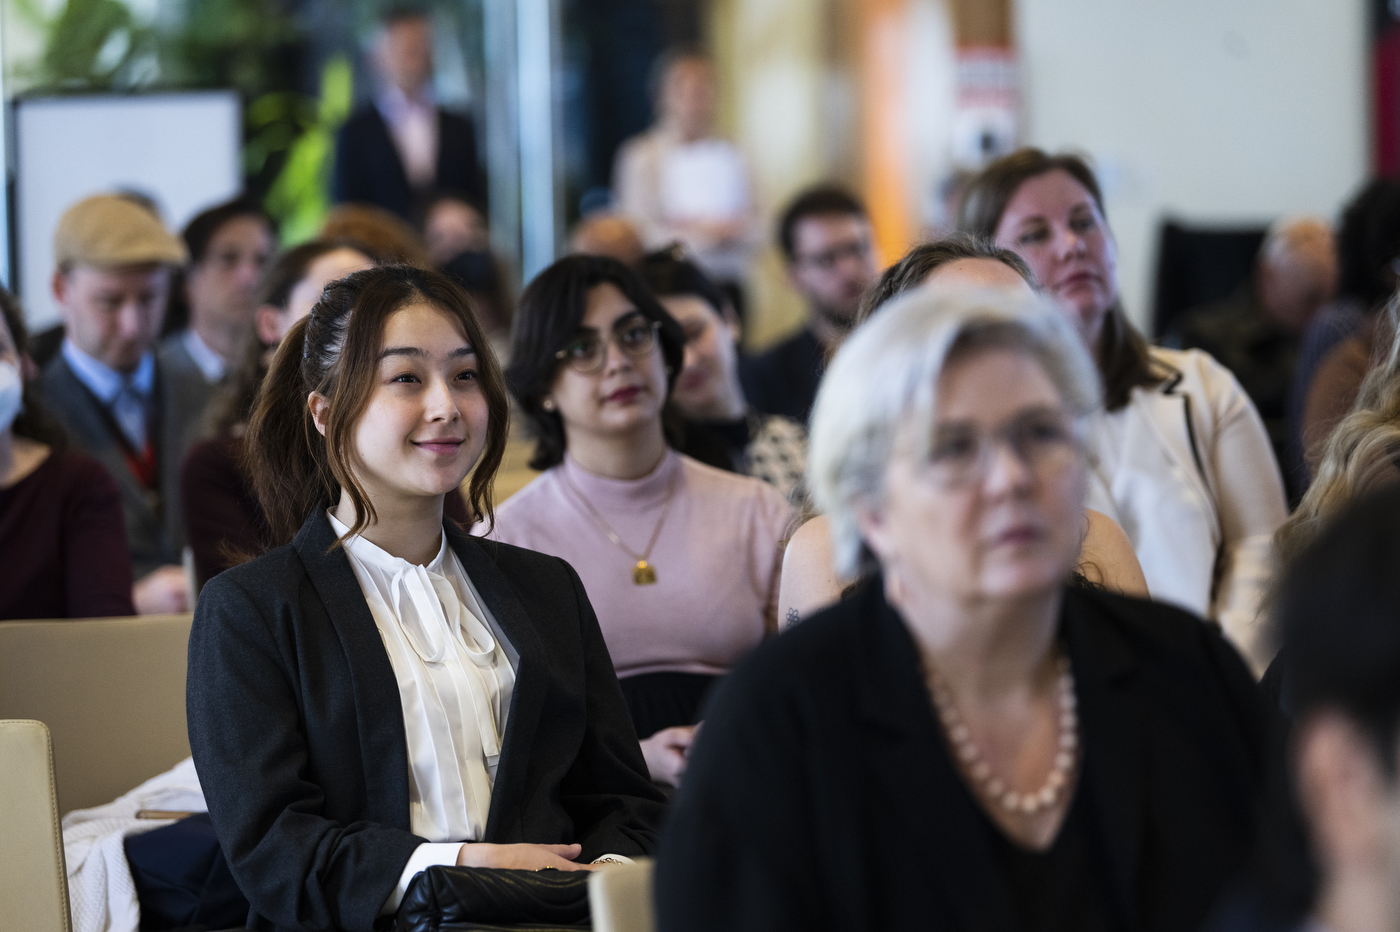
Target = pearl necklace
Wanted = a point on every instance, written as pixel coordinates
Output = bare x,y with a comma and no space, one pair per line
971,758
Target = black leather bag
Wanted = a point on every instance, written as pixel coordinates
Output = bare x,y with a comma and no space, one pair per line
466,899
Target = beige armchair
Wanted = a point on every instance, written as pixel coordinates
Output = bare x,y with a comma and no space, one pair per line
33,882
110,690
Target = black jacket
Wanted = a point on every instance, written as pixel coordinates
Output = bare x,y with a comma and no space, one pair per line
368,169
298,736
784,380
820,794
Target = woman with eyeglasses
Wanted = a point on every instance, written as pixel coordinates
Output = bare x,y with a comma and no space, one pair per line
679,559
968,742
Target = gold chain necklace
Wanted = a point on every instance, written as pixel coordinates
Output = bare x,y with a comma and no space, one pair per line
644,573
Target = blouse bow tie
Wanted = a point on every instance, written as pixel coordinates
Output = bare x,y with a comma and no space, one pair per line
431,614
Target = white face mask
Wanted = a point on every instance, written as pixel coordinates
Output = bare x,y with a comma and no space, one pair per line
11,394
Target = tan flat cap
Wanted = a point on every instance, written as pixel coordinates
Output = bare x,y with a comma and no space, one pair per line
108,230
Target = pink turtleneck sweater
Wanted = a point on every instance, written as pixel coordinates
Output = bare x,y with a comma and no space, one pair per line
716,559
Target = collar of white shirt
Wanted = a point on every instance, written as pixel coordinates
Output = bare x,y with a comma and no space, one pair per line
104,381
211,364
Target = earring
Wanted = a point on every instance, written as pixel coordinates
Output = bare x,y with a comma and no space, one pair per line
547,404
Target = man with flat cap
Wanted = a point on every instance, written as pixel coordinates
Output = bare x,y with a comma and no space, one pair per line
108,385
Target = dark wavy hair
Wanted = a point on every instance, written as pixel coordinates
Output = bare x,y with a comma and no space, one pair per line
335,353
34,421
549,316
1123,355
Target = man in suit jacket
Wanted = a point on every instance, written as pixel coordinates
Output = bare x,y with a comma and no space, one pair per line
395,150
122,403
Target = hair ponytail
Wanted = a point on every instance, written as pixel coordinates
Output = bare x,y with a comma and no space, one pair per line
284,452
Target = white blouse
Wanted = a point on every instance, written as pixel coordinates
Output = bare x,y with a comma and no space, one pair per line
455,673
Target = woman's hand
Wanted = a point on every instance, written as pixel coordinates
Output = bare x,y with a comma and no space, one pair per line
666,753
522,857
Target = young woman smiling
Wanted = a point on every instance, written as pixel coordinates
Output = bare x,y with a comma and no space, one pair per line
383,693
680,558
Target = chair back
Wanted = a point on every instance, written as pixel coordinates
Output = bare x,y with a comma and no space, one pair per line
111,691
33,881
620,900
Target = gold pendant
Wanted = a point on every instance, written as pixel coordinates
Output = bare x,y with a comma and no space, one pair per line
643,574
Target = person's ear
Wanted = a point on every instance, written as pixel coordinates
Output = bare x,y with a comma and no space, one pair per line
875,530
320,410
59,285
267,321
1342,792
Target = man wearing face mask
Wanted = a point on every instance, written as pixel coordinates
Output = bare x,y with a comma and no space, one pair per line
62,538
122,406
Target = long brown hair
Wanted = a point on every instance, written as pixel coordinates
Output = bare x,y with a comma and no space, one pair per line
334,352
1124,358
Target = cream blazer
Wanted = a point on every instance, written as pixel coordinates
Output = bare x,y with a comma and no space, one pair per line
1187,470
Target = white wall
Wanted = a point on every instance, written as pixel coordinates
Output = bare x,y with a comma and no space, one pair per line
1213,111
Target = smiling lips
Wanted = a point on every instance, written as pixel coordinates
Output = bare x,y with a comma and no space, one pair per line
444,446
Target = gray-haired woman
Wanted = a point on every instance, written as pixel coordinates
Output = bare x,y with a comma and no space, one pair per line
967,742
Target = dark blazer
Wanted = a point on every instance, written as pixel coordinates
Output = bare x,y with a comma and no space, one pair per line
297,730
154,525
821,795
368,169
784,379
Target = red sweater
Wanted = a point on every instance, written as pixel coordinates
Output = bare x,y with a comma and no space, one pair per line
63,551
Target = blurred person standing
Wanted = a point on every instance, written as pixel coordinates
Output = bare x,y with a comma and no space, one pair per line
1257,333
393,151
62,537
121,403
212,305
828,245
680,182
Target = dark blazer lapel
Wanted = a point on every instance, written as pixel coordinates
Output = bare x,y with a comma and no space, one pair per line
377,706
912,773
531,679
393,161
1114,750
